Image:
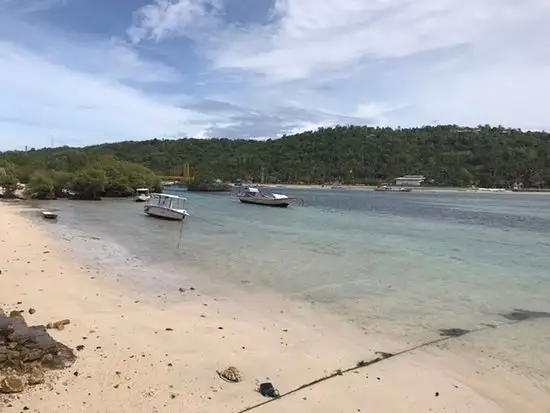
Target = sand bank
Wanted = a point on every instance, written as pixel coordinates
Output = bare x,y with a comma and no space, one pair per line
145,353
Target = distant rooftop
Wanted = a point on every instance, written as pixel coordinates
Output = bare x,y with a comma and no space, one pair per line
412,177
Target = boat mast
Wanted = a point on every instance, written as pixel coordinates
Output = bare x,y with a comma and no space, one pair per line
262,176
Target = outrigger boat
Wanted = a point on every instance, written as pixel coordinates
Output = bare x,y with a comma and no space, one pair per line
166,206
253,195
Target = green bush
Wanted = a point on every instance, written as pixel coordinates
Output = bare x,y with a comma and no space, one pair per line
40,186
62,182
8,179
89,183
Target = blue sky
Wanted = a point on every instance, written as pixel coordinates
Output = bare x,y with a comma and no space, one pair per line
88,71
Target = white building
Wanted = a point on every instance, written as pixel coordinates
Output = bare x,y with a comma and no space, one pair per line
410,180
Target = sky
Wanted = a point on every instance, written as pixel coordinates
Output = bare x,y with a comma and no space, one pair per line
80,72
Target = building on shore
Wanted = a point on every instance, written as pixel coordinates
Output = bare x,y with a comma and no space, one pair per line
410,180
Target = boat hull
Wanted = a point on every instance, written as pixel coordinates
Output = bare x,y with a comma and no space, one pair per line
49,215
164,213
279,203
393,189
142,199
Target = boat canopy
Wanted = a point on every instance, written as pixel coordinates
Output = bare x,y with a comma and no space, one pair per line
157,195
168,201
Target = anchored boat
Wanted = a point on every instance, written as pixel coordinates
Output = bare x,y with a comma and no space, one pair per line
388,188
253,195
142,195
166,206
49,215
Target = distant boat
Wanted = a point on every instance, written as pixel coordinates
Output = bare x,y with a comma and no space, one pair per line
49,215
337,185
166,206
388,188
169,183
491,189
143,195
253,195
476,189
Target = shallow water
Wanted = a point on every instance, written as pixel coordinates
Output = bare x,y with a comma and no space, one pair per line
403,264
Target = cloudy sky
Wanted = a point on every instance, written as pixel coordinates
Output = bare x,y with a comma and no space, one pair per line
86,71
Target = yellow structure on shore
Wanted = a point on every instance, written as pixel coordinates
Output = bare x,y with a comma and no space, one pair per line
185,174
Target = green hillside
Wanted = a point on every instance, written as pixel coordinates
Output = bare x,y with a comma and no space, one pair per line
446,155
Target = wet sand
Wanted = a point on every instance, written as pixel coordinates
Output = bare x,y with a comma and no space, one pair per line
149,353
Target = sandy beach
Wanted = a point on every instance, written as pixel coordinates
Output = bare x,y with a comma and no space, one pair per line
161,353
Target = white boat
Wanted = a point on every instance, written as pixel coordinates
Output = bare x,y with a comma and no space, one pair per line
476,189
166,206
49,215
142,195
388,188
253,195
491,190
337,185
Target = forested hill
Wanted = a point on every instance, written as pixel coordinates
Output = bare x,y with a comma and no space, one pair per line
446,155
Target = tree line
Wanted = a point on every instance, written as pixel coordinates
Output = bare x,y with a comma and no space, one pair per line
448,155
74,173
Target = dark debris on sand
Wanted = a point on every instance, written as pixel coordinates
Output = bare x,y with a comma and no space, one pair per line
453,332
26,352
522,315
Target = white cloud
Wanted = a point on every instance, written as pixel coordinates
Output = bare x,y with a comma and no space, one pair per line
446,60
307,64
168,17
78,91
109,58
311,36
40,99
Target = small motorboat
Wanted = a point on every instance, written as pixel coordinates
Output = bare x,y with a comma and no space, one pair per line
166,206
49,215
253,195
388,188
142,195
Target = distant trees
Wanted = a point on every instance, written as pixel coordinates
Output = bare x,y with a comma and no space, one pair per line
446,155
206,181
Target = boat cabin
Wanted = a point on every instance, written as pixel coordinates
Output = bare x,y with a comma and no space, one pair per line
251,191
168,201
142,191
410,180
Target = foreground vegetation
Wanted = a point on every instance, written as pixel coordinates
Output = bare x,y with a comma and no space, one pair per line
73,173
446,155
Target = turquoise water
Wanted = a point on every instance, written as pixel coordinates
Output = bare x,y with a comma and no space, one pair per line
402,264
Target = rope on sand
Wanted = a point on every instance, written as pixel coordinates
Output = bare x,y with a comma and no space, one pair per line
514,317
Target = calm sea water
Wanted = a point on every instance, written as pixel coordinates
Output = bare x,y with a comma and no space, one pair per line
404,264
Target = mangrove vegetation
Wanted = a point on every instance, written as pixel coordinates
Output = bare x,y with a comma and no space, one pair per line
73,173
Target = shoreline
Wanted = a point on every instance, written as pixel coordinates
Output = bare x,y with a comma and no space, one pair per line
263,336
422,189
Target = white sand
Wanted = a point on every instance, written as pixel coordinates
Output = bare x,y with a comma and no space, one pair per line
130,363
